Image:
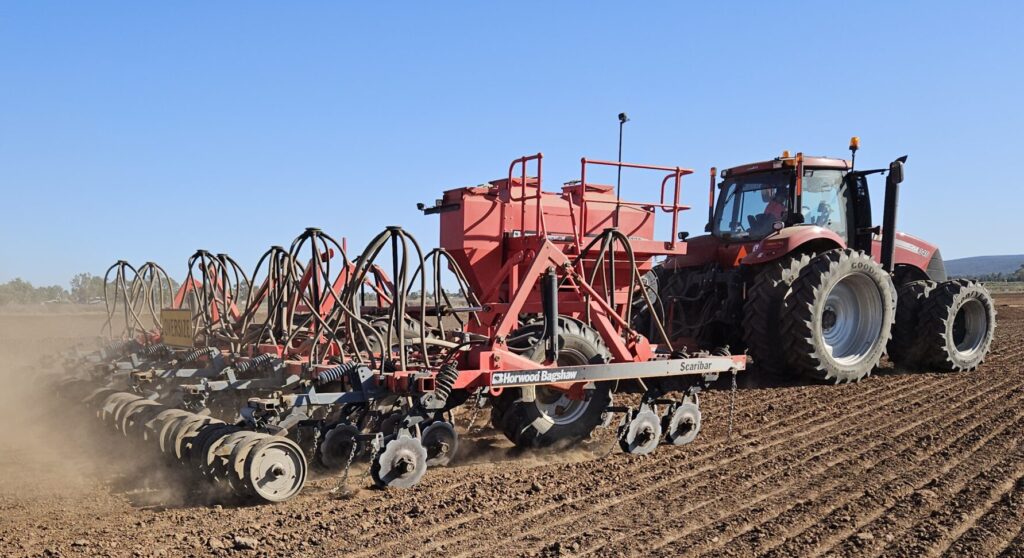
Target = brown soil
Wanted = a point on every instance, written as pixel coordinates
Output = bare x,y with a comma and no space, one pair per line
898,465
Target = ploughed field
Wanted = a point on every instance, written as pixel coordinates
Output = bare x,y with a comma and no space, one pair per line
922,464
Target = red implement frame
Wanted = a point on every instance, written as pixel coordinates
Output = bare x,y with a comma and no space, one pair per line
512,290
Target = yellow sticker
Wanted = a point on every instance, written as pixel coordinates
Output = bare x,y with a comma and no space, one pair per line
177,327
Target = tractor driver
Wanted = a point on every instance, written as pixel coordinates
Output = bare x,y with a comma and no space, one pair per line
777,207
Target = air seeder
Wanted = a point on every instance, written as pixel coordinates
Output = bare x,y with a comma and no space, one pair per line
549,285
564,298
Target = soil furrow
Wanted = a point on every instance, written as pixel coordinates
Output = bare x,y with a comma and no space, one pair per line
966,503
534,509
736,500
859,536
627,492
780,506
994,531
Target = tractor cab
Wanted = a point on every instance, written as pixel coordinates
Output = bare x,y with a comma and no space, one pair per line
763,211
758,199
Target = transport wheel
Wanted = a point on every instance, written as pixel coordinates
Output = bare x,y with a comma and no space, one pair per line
640,432
905,345
642,321
958,321
401,464
275,469
681,423
496,414
762,312
336,447
838,316
541,416
411,330
441,442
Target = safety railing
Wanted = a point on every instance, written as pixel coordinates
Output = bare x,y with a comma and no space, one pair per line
676,176
540,227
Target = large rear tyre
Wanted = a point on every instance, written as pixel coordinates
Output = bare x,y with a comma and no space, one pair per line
762,312
838,317
534,417
905,345
958,321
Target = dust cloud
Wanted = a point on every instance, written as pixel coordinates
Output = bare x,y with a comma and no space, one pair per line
52,449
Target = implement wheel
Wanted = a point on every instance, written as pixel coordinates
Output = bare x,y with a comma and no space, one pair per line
401,464
275,469
541,416
838,317
681,423
442,443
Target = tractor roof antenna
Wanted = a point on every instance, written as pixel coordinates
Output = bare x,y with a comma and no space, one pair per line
618,183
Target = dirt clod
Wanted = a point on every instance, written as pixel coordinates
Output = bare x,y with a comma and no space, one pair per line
246,543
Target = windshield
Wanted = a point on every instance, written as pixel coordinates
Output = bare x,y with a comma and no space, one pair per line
749,204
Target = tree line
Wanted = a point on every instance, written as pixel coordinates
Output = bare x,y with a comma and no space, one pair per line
1016,276
84,288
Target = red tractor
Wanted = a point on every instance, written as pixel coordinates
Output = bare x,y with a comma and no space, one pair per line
794,271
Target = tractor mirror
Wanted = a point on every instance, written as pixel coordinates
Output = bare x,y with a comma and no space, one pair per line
896,171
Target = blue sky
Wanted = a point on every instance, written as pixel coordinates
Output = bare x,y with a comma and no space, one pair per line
144,130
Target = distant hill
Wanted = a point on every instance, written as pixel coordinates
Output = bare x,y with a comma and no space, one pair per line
984,265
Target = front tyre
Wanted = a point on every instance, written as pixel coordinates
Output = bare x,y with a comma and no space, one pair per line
838,317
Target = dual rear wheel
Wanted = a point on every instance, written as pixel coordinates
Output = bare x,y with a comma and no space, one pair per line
832,317
825,317
945,326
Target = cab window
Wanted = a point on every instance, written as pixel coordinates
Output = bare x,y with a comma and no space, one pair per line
749,204
824,200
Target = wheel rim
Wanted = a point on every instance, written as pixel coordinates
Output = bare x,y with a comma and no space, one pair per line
851,321
555,404
970,326
276,470
558,407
